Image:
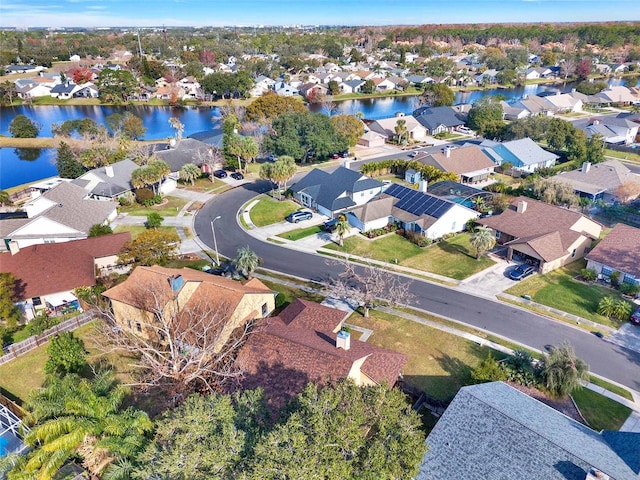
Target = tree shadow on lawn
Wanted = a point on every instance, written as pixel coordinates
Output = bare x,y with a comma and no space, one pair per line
455,249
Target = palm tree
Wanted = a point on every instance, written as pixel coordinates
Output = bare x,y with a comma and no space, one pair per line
190,173
247,261
622,310
401,131
74,416
482,240
342,228
563,371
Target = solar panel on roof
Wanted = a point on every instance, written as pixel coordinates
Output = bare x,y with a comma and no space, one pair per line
418,203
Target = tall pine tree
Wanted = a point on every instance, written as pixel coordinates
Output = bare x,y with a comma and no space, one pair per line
67,164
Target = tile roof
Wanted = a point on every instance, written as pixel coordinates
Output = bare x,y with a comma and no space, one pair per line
57,267
601,177
285,353
548,229
467,159
493,431
620,250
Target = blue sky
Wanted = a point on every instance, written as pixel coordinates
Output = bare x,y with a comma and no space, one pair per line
95,13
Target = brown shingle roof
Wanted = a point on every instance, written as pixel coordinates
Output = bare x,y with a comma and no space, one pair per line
57,267
282,357
313,316
620,250
535,225
462,160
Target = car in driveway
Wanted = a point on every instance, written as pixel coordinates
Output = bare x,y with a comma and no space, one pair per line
635,317
298,216
237,176
330,225
220,174
521,271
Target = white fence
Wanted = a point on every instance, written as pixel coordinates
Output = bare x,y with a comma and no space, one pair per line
15,350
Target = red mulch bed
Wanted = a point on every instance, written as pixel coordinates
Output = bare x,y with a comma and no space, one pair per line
563,405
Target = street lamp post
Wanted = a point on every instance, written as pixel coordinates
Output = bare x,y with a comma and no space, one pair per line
215,244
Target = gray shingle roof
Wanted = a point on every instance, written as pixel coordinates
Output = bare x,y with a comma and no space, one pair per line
109,186
188,150
326,188
492,431
433,117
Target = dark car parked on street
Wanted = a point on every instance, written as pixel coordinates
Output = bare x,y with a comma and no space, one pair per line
295,217
330,225
220,174
521,271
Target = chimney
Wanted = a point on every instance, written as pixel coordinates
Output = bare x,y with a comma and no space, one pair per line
346,163
595,474
522,206
343,340
176,282
423,186
447,152
586,166
108,170
14,247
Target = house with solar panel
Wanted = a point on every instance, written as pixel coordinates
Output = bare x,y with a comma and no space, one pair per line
415,210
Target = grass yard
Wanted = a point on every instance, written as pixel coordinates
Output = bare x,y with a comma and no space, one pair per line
299,233
287,294
453,258
438,363
600,412
169,209
558,289
19,377
136,230
204,184
623,392
269,211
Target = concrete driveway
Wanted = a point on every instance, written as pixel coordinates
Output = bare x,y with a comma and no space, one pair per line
491,281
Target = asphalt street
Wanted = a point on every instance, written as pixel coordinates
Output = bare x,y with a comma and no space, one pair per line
606,359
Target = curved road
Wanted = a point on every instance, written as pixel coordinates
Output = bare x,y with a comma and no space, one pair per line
604,358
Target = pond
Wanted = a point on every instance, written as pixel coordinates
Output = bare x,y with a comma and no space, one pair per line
24,165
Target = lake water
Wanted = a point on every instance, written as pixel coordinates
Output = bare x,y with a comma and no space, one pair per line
22,166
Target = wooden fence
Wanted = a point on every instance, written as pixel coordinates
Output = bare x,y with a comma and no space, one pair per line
15,350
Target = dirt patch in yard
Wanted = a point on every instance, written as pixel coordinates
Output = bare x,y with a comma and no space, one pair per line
563,405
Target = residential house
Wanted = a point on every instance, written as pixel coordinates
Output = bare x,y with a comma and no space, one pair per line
419,80
439,119
335,192
535,105
263,85
599,181
613,130
387,127
33,87
109,182
546,235
47,274
187,150
564,102
492,431
11,69
415,210
60,214
285,90
488,77
370,139
63,91
511,112
191,87
352,86
602,68
384,84
173,293
523,154
532,74
470,163
618,252
618,94
303,344
313,91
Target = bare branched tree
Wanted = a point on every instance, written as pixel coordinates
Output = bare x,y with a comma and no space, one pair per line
367,285
178,348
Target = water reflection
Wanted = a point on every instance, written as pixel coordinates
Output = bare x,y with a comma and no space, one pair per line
28,154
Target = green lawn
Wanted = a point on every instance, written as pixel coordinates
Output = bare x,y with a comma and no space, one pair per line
287,294
438,363
268,211
453,258
559,290
169,209
623,392
600,412
136,230
20,376
204,184
299,233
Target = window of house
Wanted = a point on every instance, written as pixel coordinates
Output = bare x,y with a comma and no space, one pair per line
573,254
606,271
629,279
37,301
138,327
265,309
497,235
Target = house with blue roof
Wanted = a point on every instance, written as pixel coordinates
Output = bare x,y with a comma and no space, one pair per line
335,192
523,154
493,431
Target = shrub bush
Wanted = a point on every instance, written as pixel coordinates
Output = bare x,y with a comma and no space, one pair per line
629,289
589,274
124,201
488,370
143,194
